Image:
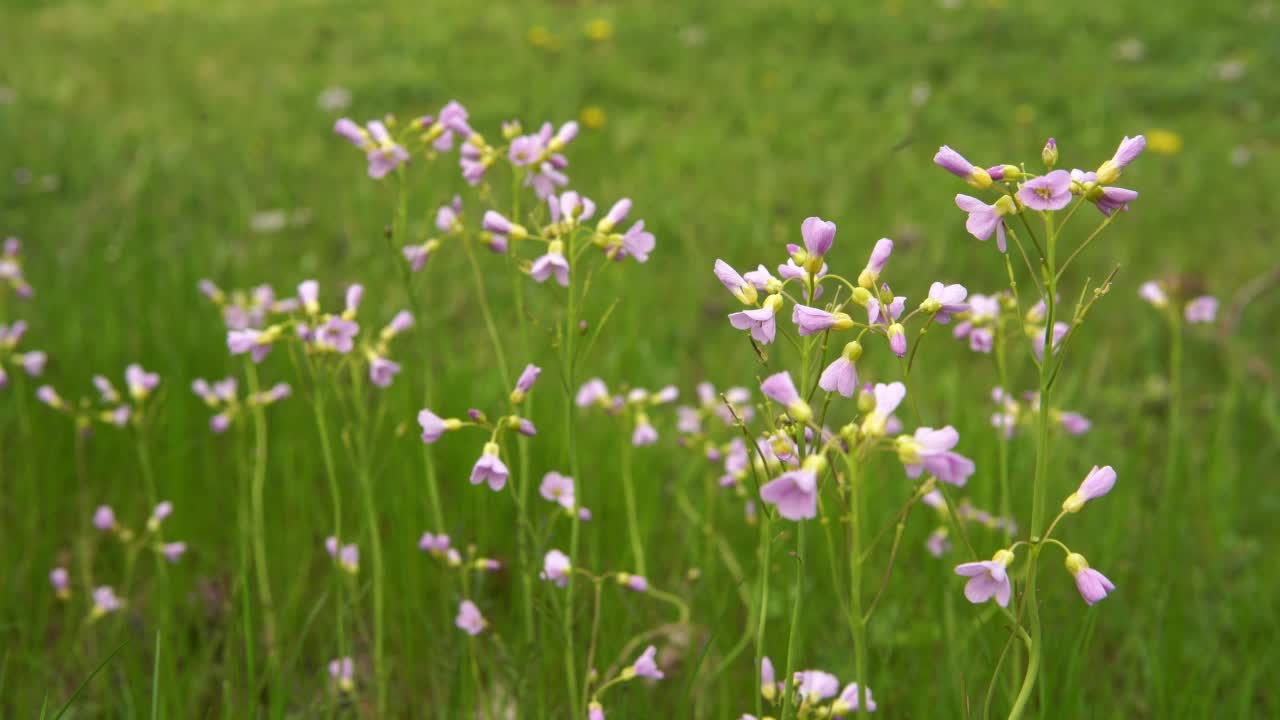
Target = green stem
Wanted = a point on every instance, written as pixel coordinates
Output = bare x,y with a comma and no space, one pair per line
762,609
793,639
1039,487
855,579
629,495
569,364
335,497
257,490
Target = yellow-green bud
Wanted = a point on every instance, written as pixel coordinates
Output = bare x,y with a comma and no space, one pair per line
866,401
492,448
862,296
1004,557
979,179
800,411
1108,172
518,232
868,278
773,302
1075,563
852,351
1006,206
815,463
931,305
773,285
1050,154
841,321
908,450
1073,503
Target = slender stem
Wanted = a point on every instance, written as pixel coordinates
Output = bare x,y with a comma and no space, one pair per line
335,497
1002,433
568,362
595,636
629,495
793,638
859,619
375,546
1175,406
762,606
1039,487
257,489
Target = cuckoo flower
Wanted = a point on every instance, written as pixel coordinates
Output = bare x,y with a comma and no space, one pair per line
140,382
449,217
592,392
382,371
986,219
1074,423
433,426
104,601
887,398
1203,309
1097,483
1152,292
342,673
954,163
879,258
644,433
60,579
930,450
489,468
851,699
552,263
816,685
762,321
818,236
524,383
646,666
637,242
795,493
812,321
1093,585
469,619
735,283
257,343
337,334
988,579
173,551
780,389
842,374
1047,192
556,568
1127,152
945,301
558,489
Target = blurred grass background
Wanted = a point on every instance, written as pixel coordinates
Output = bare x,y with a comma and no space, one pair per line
141,138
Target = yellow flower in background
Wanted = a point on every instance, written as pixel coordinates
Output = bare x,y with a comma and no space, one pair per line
592,117
1164,142
1024,114
542,38
598,30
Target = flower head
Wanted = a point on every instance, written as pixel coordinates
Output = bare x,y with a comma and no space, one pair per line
780,388
469,619
812,320
1093,585
558,489
1097,483
988,579
490,468
1048,192
556,568
646,666
104,601
930,450
762,321
1127,152
342,673
954,163
842,374
738,286
986,219
1203,309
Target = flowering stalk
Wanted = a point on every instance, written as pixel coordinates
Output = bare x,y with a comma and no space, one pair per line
629,494
335,497
257,486
375,540
568,364
1041,473
855,577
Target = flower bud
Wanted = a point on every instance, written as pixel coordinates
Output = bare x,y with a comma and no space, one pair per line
1075,562
852,351
1050,154
861,296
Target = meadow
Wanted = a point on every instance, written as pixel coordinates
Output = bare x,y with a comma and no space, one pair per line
150,146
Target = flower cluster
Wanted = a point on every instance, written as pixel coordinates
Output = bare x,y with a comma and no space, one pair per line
11,268
990,578
247,309
103,597
1021,190
221,395
489,468
1011,414
818,693
634,404
323,333
113,407
31,362
1198,309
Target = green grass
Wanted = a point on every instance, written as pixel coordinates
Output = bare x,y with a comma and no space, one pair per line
163,126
